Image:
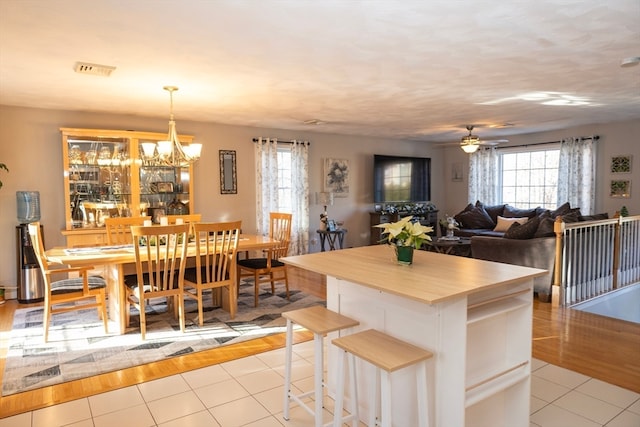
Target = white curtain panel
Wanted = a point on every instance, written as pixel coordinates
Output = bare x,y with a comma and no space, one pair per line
300,202
577,173
266,155
483,176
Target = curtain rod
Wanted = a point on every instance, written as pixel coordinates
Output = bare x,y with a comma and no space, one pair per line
286,142
582,138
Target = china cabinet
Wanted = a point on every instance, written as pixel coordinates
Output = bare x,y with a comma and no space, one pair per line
106,175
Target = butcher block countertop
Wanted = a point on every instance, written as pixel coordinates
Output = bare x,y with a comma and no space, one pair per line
432,278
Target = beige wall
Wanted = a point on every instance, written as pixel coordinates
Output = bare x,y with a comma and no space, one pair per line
30,146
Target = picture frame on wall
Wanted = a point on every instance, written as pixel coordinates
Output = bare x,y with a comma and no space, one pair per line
456,172
336,177
620,188
621,164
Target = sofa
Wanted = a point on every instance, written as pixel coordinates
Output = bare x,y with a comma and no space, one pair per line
503,233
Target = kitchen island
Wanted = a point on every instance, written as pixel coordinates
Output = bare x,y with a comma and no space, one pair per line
475,316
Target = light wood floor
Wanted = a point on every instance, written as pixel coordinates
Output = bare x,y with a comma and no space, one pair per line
599,347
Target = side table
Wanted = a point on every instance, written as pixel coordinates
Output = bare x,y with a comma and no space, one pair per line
460,246
332,237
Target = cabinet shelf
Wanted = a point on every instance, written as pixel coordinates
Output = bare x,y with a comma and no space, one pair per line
496,383
486,311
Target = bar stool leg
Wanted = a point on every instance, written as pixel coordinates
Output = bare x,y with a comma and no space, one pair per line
319,368
355,418
339,401
287,369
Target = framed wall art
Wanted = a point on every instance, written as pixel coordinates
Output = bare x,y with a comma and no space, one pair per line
621,164
620,189
336,177
456,172
228,173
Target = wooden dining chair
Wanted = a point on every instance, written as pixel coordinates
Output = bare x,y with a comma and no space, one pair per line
269,268
160,252
90,289
185,218
216,269
119,228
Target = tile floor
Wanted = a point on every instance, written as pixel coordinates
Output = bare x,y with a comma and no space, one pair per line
248,392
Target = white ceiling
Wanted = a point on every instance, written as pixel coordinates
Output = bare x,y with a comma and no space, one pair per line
403,69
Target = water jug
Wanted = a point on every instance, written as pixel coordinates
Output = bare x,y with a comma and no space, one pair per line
28,206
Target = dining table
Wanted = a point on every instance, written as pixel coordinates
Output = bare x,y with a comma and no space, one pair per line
116,261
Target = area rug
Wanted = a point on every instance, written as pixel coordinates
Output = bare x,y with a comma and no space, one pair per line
78,347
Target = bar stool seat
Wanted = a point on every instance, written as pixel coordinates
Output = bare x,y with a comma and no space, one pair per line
320,321
387,354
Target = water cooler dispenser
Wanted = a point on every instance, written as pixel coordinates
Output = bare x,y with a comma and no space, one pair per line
30,281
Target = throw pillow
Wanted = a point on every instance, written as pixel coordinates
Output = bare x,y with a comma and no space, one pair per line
511,212
561,210
505,223
475,218
595,217
493,211
573,215
522,231
545,227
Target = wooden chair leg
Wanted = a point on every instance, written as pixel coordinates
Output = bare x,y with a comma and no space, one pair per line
256,276
143,320
200,304
46,319
273,285
181,314
102,299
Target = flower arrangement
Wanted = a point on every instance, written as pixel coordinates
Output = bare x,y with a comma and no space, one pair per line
405,232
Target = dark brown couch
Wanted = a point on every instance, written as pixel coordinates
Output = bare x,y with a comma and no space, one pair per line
530,244
538,253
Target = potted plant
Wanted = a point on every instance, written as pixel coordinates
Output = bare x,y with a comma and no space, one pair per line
405,235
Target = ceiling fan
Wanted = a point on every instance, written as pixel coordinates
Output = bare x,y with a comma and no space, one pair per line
470,143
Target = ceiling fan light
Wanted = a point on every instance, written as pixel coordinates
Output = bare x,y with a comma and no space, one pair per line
469,148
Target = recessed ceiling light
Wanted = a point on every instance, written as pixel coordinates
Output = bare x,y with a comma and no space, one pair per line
630,61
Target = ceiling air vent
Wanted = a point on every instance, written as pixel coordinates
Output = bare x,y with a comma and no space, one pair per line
94,69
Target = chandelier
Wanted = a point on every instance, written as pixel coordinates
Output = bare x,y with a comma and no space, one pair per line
470,143
171,152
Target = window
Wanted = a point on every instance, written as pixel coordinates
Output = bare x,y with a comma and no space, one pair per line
284,180
529,178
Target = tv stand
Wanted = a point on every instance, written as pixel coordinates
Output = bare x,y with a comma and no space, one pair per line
428,218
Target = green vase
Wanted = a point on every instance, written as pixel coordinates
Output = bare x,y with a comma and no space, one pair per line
405,255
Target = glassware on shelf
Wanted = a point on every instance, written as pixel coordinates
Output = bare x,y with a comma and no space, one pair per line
104,158
90,157
75,155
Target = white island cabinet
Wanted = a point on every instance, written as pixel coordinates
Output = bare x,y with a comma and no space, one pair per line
475,316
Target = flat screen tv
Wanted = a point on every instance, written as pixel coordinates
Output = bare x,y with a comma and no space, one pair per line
401,179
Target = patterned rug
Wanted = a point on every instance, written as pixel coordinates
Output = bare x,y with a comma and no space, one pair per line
78,347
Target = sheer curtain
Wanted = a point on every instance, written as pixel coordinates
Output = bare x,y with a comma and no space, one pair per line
577,173
268,189
484,176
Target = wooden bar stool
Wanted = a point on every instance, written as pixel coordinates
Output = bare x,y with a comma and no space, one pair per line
387,354
320,321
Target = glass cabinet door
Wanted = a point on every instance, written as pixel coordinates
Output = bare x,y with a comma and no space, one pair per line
106,175
99,174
